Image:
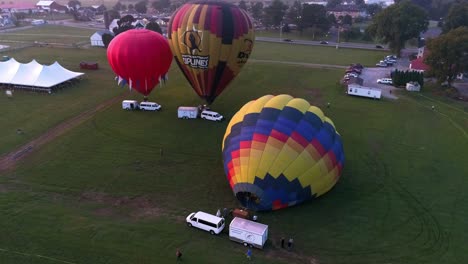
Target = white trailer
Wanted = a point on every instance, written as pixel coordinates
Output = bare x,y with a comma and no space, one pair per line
130,105
187,112
358,90
248,232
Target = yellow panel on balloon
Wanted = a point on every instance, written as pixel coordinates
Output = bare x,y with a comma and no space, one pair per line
269,155
300,165
284,159
310,177
299,104
279,101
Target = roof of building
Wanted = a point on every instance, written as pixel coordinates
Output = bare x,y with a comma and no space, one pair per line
44,3
104,31
418,64
344,8
17,5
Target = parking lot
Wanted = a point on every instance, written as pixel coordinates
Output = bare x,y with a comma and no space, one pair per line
371,74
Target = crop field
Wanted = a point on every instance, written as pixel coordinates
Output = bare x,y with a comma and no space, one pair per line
117,187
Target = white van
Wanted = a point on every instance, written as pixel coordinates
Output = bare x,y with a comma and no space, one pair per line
130,105
149,106
205,221
210,115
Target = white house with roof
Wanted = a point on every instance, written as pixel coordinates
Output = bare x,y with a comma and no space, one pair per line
51,6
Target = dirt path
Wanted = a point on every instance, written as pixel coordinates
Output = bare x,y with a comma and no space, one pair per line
8,161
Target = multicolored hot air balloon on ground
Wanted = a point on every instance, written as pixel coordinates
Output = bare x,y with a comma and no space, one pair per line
211,41
279,151
141,58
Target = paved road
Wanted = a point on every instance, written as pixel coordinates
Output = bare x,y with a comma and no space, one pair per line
333,44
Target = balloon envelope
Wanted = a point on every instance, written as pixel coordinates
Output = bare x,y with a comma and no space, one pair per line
211,41
140,57
279,151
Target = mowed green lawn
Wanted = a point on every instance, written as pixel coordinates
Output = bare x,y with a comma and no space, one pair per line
315,54
50,33
117,188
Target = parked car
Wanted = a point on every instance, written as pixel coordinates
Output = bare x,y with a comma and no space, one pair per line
385,81
205,221
324,42
381,64
378,46
351,74
287,40
393,57
211,115
150,106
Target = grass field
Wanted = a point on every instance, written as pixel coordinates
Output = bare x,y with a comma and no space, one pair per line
49,34
117,188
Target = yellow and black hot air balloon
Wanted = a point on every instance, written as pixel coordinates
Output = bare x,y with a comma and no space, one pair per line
211,41
279,151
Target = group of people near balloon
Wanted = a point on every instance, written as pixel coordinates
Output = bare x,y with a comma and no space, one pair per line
278,151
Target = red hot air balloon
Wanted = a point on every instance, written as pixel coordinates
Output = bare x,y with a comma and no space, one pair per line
211,42
141,57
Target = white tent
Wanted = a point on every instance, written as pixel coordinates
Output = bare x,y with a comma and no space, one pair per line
96,38
34,74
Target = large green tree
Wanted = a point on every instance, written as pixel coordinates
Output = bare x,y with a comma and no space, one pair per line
448,54
399,23
161,5
373,9
274,13
141,7
243,5
456,17
256,9
315,18
294,14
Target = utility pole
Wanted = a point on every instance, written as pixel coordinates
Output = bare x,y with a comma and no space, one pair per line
281,30
338,41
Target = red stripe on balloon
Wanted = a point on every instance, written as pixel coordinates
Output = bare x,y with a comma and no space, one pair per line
278,135
245,144
260,138
318,147
299,139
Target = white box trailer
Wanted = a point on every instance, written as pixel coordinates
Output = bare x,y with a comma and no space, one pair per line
130,105
358,90
248,232
187,112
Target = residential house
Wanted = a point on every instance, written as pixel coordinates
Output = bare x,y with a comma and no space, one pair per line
343,10
51,6
15,7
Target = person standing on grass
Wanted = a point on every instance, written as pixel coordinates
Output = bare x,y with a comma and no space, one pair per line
282,242
290,243
249,254
179,255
